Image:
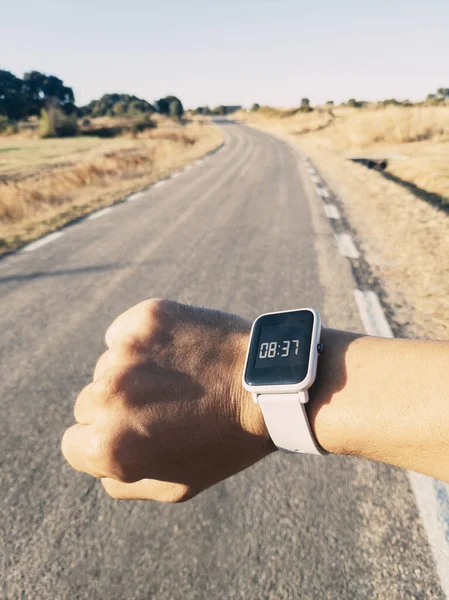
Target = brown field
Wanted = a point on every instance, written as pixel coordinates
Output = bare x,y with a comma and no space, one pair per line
404,237
45,183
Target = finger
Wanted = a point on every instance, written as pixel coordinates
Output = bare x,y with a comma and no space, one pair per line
148,489
104,363
91,399
83,448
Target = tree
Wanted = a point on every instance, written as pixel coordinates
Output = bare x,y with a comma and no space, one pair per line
163,105
11,98
39,89
330,103
255,107
355,103
443,92
111,104
176,109
118,109
305,105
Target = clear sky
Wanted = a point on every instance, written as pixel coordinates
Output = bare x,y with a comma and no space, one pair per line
234,51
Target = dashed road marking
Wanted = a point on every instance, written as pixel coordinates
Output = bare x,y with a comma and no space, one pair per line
372,314
432,498
346,245
43,241
331,211
99,213
431,495
323,192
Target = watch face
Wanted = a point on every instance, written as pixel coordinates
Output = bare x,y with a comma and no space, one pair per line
280,348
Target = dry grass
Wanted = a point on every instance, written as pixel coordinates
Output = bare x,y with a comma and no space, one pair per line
44,183
405,240
419,134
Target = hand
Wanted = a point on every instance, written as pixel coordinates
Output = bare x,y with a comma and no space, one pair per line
166,415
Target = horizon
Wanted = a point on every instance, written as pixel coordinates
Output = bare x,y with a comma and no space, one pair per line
265,52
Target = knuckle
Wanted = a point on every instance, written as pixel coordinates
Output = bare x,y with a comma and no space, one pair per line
95,450
116,382
119,460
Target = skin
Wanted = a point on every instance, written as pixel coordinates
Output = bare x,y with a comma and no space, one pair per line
166,415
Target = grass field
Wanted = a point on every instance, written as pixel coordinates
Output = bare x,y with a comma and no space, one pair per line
45,183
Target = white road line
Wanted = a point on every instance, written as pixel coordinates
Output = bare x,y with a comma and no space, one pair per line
136,196
43,241
315,179
159,184
323,192
431,495
432,498
372,315
99,213
346,245
331,211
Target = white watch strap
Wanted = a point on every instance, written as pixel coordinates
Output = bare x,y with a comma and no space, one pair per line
287,423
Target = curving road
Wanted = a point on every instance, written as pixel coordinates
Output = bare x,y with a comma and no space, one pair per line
243,232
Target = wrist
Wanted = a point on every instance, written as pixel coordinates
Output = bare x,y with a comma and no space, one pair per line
249,413
334,413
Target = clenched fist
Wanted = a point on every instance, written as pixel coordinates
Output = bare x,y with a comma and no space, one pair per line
166,415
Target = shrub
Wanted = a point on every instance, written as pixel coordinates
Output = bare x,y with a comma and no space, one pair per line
255,107
176,109
55,123
3,123
143,124
8,127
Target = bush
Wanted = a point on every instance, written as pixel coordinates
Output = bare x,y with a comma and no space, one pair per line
3,123
143,125
55,123
255,107
7,127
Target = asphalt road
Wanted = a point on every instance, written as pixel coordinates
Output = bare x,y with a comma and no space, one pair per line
238,232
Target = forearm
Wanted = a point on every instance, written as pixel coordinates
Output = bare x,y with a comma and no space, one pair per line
166,415
384,399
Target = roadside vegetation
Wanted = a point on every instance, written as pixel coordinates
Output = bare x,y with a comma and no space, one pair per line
398,214
59,161
414,138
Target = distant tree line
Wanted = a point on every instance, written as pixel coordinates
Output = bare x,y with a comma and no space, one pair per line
22,98
25,97
114,105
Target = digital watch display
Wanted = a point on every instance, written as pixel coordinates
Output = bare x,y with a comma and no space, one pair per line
281,365
280,348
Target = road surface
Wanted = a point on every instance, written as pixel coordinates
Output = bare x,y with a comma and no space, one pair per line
241,232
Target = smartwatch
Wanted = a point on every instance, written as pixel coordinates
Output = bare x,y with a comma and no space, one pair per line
280,367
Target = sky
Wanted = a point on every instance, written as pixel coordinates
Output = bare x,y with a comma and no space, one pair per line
272,52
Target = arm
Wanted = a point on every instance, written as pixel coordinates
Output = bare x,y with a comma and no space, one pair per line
166,415
384,399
